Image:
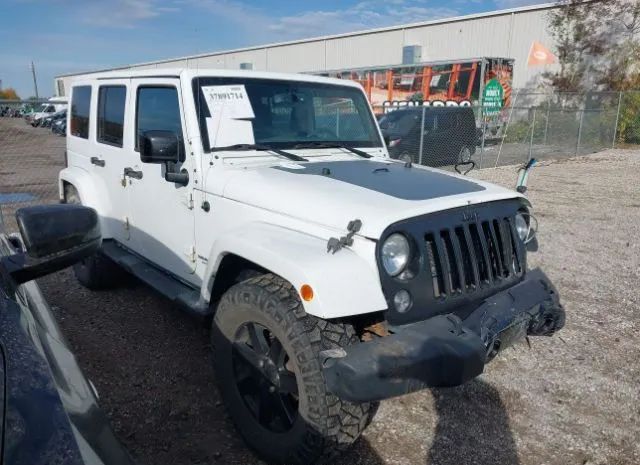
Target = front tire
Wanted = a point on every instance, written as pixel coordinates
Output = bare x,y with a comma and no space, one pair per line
266,356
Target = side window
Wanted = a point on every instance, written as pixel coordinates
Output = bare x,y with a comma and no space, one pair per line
111,103
157,108
80,105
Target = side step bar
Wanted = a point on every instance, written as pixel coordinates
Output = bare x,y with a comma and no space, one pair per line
183,295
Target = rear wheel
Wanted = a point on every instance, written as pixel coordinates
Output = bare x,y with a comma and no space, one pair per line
465,154
97,271
266,355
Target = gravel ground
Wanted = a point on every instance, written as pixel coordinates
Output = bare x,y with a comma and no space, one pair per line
570,399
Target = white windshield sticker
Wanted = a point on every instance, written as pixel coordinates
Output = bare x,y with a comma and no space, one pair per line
224,132
230,102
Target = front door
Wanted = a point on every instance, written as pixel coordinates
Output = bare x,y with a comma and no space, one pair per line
162,219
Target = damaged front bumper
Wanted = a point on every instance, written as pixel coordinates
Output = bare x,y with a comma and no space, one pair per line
444,350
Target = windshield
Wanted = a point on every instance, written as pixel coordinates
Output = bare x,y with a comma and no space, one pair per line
283,114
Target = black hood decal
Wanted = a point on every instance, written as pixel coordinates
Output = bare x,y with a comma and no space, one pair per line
392,179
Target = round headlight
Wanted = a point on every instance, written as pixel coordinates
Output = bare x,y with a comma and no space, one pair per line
395,254
522,227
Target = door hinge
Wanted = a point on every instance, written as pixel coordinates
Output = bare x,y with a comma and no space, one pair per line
189,200
191,254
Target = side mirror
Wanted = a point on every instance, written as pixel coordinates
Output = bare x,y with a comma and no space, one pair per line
164,147
160,147
55,237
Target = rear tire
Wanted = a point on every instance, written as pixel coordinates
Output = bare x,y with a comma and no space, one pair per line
466,153
278,398
97,271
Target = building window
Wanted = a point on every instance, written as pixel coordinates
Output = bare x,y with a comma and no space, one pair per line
158,109
80,107
111,103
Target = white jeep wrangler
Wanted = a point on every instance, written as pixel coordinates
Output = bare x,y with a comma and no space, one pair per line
335,277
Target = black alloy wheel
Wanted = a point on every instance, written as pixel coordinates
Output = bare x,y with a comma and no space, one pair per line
265,382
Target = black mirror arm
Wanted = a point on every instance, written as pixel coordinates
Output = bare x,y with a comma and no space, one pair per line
172,175
22,267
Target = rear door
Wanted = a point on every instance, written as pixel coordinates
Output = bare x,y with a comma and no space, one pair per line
162,216
99,159
113,151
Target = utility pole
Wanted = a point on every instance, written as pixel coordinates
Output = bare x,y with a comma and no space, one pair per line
35,82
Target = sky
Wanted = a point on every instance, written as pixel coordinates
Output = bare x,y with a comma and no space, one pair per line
65,36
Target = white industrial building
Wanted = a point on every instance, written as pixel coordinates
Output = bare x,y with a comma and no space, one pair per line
505,33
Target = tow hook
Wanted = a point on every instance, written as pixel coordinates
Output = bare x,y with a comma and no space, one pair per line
547,321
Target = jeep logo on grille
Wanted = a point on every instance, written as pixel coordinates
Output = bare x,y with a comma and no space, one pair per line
469,216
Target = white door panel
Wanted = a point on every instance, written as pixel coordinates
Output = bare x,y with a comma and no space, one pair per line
162,220
112,155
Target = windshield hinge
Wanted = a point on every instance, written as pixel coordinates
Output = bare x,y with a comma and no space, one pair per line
336,244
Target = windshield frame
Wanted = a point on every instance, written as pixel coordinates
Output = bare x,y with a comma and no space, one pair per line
375,140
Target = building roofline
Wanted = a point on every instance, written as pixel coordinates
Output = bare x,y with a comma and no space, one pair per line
454,19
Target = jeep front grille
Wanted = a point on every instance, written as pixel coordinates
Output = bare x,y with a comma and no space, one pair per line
472,256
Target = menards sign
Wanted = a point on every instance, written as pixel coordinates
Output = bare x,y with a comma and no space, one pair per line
459,82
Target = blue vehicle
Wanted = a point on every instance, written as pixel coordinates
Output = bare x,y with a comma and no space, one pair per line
49,409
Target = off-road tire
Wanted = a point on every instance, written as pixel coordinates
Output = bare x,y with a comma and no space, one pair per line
95,272
325,426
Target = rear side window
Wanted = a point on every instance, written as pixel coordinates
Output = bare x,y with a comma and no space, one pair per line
158,109
400,122
111,102
80,106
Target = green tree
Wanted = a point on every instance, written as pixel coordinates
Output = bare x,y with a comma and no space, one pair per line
597,45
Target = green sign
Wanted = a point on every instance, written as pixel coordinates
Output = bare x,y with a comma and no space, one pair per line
492,97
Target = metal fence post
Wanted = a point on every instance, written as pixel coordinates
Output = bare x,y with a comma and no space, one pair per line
421,136
546,126
484,136
533,127
580,132
615,128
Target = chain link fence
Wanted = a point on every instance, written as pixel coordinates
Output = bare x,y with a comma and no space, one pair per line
31,155
534,125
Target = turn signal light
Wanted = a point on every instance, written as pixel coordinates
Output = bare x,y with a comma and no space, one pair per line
306,292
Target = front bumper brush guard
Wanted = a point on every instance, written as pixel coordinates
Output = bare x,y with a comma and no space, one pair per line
444,350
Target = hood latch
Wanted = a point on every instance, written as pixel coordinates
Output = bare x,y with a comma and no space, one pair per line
336,244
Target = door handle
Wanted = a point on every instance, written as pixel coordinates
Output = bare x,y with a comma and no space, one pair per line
132,173
97,161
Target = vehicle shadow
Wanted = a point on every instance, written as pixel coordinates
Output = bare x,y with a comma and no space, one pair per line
473,427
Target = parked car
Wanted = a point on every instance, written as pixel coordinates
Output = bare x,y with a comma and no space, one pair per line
450,135
47,121
59,127
49,409
334,277
53,105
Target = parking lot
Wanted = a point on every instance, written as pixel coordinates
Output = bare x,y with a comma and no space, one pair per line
570,399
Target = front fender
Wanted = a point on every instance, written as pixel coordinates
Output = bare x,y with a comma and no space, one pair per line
344,283
92,193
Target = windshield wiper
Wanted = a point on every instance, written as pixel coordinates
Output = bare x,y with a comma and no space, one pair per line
259,147
331,145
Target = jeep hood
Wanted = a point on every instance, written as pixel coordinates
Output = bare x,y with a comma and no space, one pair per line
378,192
